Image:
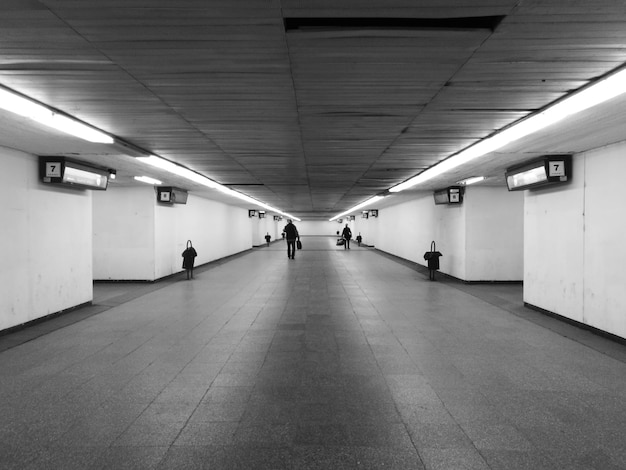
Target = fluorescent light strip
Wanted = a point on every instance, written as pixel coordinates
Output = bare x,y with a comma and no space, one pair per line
597,93
191,175
23,106
371,200
179,170
84,177
30,109
148,180
471,180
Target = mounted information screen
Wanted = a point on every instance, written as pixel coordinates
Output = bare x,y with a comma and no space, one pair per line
171,195
543,171
451,195
61,171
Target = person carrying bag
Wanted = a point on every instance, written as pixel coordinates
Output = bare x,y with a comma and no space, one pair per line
346,235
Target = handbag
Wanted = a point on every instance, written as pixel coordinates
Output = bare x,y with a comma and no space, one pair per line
298,244
340,241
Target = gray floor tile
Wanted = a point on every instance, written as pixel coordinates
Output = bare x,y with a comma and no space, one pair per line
311,457
330,362
466,458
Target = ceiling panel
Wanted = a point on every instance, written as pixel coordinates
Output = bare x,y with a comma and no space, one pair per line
311,120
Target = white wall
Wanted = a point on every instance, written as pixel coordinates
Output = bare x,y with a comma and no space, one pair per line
553,247
574,243
405,229
263,226
494,234
123,233
135,238
216,230
46,243
367,228
450,236
481,239
317,227
605,233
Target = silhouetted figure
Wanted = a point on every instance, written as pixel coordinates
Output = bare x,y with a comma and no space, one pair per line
347,235
291,232
189,257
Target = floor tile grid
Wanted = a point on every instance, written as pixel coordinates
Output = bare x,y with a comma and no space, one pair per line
99,400
469,363
273,353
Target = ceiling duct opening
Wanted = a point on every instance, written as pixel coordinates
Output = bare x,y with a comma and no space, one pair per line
400,24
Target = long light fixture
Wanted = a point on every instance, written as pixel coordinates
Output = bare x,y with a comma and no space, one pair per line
191,175
471,180
148,180
178,170
62,171
371,200
31,109
596,93
543,171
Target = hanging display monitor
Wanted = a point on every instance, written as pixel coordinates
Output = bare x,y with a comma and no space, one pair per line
171,195
62,171
543,171
451,195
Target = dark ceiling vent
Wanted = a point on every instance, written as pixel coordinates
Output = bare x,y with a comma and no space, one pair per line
407,24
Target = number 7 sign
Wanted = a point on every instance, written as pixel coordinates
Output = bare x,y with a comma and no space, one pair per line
556,168
53,169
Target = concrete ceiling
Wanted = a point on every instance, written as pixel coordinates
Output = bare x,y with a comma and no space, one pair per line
311,107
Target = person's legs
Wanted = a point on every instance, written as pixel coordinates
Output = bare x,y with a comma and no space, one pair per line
291,248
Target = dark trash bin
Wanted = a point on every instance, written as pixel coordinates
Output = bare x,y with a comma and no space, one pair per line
432,257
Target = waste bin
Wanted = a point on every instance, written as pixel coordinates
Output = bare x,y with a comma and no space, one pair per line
432,257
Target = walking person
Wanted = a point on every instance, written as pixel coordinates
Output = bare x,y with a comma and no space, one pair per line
189,257
291,233
347,235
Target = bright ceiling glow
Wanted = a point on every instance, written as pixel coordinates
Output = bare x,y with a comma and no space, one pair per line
191,175
30,109
148,180
179,170
371,200
604,89
84,177
471,180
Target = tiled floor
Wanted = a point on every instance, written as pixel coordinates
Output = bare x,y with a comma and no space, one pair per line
335,360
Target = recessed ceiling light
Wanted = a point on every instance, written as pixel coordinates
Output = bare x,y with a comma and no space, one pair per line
598,92
147,180
31,109
472,180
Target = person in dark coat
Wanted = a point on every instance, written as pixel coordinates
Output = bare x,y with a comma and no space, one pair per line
347,235
291,233
189,257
